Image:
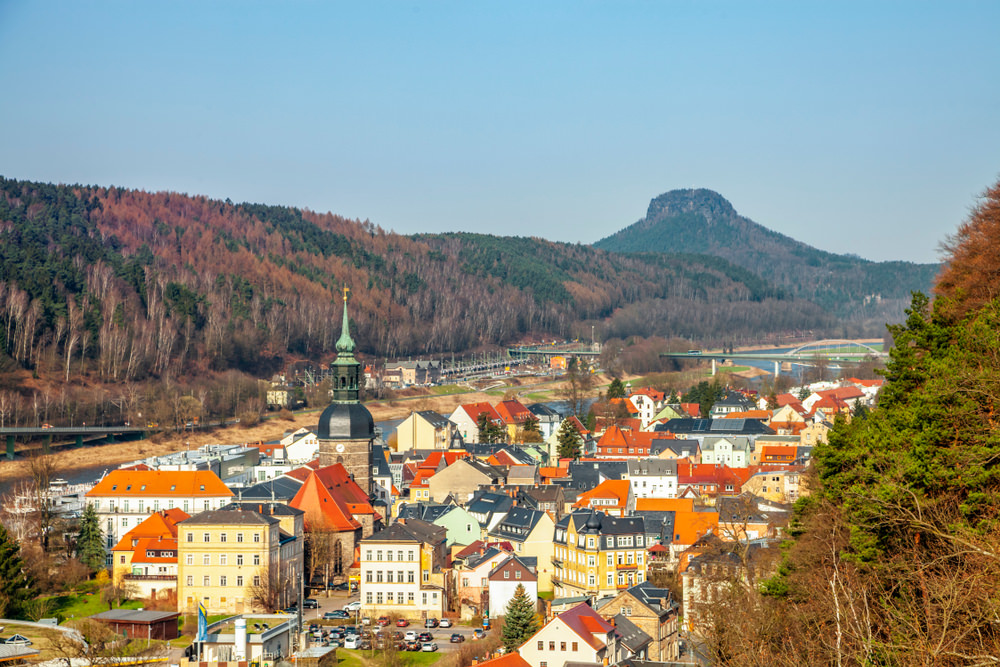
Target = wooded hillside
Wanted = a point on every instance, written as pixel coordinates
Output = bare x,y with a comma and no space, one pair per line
125,284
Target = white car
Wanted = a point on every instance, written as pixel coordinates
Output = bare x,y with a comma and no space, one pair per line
445,623
410,636
352,642
353,606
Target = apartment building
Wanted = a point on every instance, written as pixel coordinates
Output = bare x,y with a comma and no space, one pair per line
597,554
401,570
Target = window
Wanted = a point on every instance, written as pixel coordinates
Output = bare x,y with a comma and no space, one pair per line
610,542
190,559
427,576
239,559
562,646
378,555
423,598
388,555
541,646
590,542
389,597
222,537
552,646
256,580
611,559
575,645
190,580
256,537
222,580
399,576
638,540
368,576
517,575
368,554
399,555
256,559
205,537
206,559
591,560
223,559
368,597
506,573
409,577
409,598
121,559
611,579
591,580
239,537
388,576
239,580
378,577
205,581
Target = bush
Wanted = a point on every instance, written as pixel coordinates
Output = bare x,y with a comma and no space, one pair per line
249,419
286,414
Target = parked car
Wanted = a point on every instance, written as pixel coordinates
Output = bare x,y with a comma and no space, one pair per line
352,642
425,636
367,620
382,621
478,633
429,647
410,636
402,623
457,638
430,623
335,614
445,623
340,587
365,645
310,603
352,606
413,646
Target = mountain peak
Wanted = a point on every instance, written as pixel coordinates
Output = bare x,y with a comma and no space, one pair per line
708,203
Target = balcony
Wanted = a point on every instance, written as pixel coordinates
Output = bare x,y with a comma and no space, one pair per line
151,577
627,566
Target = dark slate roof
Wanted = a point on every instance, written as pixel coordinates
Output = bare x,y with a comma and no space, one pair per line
716,427
241,517
734,400
345,421
657,599
593,522
660,524
517,524
414,530
435,419
380,463
265,509
488,503
136,616
585,475
429,512
543,411
484,449
629,633
280,489
476,559
543,493
529,563
679,446
652,467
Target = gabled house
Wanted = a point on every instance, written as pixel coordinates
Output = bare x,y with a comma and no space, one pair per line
489,507
653,478
514,415
731,401
579,635
613,497
734,451
146,556
504,579
466,419
530,532
471,583
461,479
402,571
424,429
548,419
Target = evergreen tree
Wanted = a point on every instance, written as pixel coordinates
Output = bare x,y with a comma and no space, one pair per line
489,431
519,623
569,441
616,389
16,587
90,540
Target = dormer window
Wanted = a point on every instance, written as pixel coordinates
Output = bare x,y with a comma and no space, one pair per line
114,487
128,488
142,488
202,487
173,487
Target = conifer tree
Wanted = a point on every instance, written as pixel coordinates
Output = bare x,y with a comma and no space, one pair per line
16,587
90,540
569,441
616,389
519,622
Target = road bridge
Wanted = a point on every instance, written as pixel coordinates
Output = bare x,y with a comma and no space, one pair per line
828,350
68,432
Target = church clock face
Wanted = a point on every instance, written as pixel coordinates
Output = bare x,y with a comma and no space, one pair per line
340,447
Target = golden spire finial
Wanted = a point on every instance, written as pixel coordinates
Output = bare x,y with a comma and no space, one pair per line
346,290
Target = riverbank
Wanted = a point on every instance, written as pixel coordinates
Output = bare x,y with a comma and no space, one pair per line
113,455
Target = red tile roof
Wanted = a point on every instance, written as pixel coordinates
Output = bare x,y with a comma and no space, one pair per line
149,483
512,412
615,489
586,622
157,526
324,511
512,659
475,409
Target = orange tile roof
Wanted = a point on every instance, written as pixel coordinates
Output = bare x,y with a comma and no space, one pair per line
617,489
578,425
512,659
512,412
420,479
146,545
552,472
435,459
843,393
867,383
148,483
654,394
158,525
692,409
778,450
689,526
664,505
586,623
324,511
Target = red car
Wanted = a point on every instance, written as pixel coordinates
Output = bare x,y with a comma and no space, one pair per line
382,620
402,623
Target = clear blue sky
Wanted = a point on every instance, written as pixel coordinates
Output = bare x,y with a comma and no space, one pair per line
865,127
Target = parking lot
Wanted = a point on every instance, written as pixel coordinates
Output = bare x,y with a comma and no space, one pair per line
337,600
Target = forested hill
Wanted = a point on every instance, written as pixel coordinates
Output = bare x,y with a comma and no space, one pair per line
127,284
702,221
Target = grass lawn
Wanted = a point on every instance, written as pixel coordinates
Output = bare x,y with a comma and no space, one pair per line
444,390
78,605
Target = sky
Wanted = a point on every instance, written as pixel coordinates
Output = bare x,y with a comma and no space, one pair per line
857,127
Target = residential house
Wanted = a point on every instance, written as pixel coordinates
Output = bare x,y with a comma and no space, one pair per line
530,532
146,557
504,579
489,507
576,636
424,429
733,451
231,560
462,527
784,484
648,402
709,480
597,554
731,401
466,419
653,478
124,498
514,415
523,475
461,479
545,497
688,428
300,446
613,497
471,583
548,419
402,571
676,448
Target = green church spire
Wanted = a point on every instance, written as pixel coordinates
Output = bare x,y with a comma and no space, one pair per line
346,387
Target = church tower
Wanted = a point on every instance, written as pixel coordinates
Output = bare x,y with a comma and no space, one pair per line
346,428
